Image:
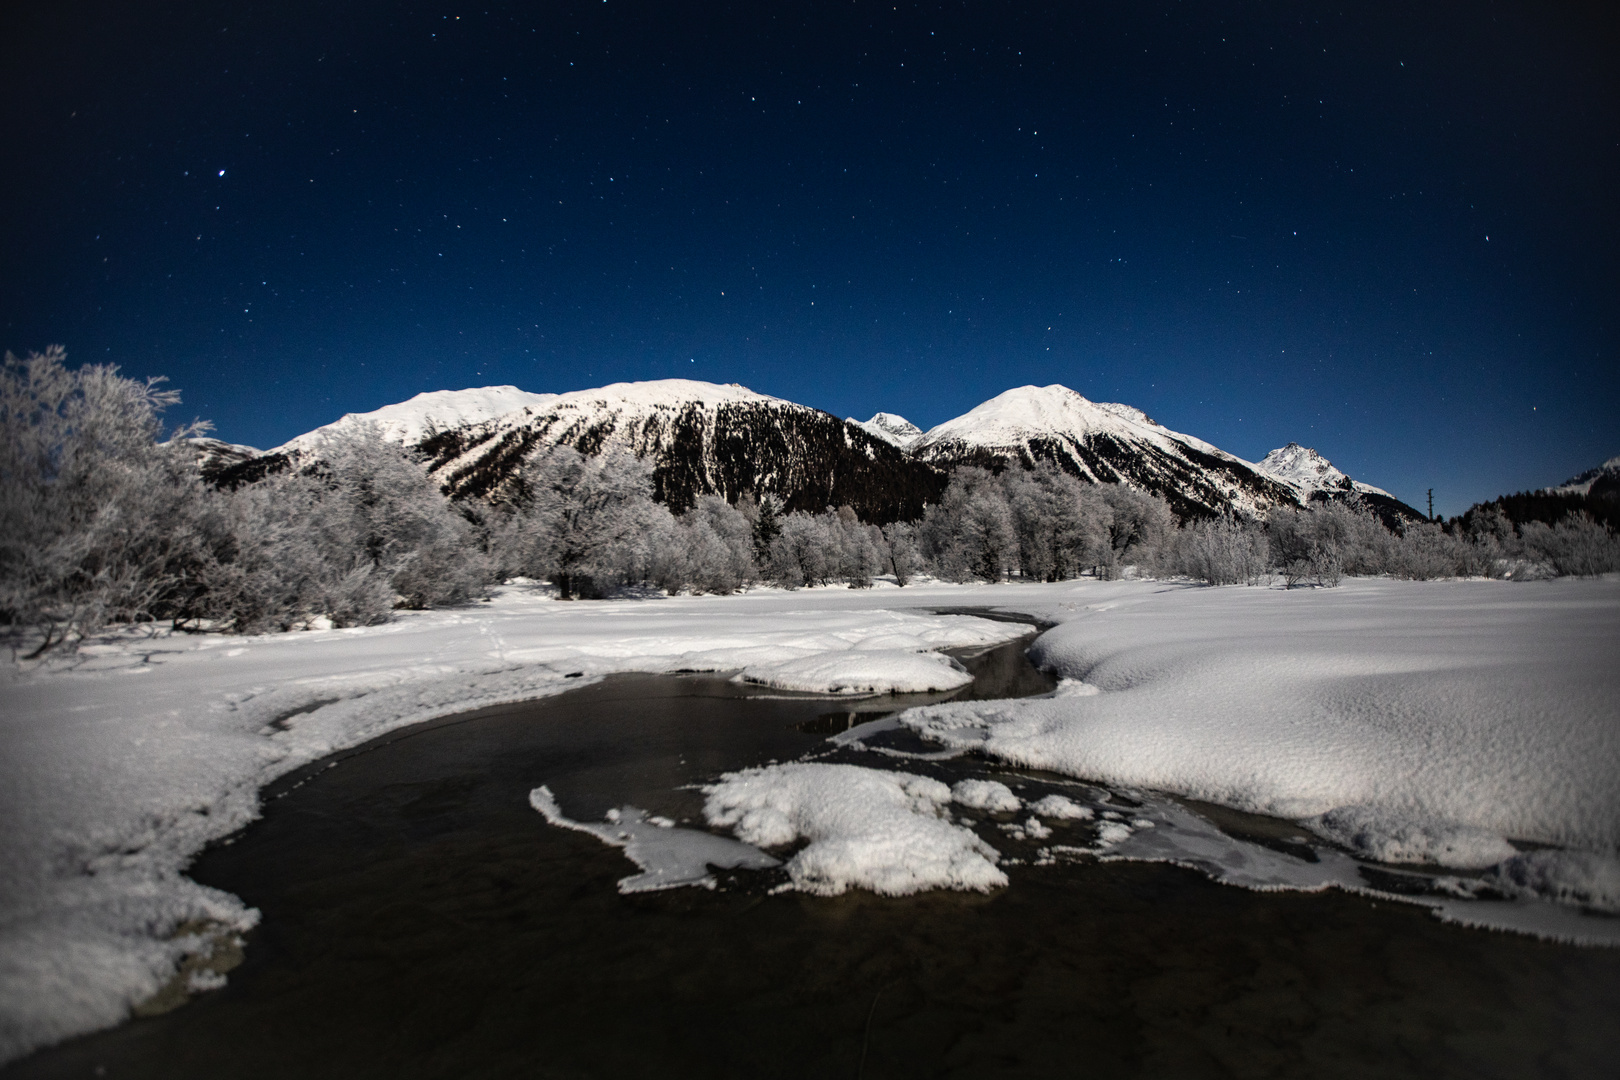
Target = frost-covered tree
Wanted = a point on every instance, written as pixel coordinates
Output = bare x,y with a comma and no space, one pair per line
351,536
99,521
969,533
900,552
1130,531
709,549
1048,521
800,553
584,519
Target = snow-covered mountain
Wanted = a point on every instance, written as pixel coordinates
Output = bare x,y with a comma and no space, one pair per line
1604,478
1315,479
409,422
705,438
1107,444
702,438
891,428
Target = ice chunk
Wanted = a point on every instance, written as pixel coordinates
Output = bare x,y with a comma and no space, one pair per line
669,857
1396,838
985,795
866,828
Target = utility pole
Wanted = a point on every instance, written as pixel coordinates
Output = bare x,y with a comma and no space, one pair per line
1431,504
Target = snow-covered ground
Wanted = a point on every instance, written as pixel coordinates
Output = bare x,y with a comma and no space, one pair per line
1406,721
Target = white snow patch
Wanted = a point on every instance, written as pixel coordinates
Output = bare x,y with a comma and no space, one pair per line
874,671
883,831
669,857
988,795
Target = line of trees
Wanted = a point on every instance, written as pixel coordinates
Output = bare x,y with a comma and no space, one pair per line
103,520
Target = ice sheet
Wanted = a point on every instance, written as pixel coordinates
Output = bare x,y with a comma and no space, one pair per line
670,857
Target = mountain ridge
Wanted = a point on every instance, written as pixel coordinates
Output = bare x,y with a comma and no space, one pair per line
708,438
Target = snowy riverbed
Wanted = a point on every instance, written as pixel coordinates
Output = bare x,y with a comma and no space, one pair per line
1421,722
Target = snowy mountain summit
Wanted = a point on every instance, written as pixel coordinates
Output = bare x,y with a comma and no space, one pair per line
891,428
1105,443
1309,472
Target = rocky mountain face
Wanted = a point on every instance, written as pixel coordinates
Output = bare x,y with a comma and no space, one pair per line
704,438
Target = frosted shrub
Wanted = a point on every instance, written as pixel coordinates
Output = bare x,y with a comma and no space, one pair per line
377,500
1425,551
1222,552
1577,545
859,548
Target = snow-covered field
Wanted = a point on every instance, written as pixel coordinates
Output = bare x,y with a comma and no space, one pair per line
1420,722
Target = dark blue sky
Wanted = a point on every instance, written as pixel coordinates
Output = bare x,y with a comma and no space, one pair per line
1389,232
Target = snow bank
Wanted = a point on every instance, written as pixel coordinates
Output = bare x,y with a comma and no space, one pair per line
1411,722
883,831
119,764
864,671
669,857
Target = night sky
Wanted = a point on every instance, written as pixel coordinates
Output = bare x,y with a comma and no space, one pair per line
1389,232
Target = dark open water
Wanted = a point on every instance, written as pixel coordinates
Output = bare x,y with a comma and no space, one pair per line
420,920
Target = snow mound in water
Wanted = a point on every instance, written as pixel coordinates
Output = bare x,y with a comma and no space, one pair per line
866,828
1392,838
985,795
861,671
669,857
1059,808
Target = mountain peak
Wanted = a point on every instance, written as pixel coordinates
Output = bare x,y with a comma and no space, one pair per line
891,429
1303,467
